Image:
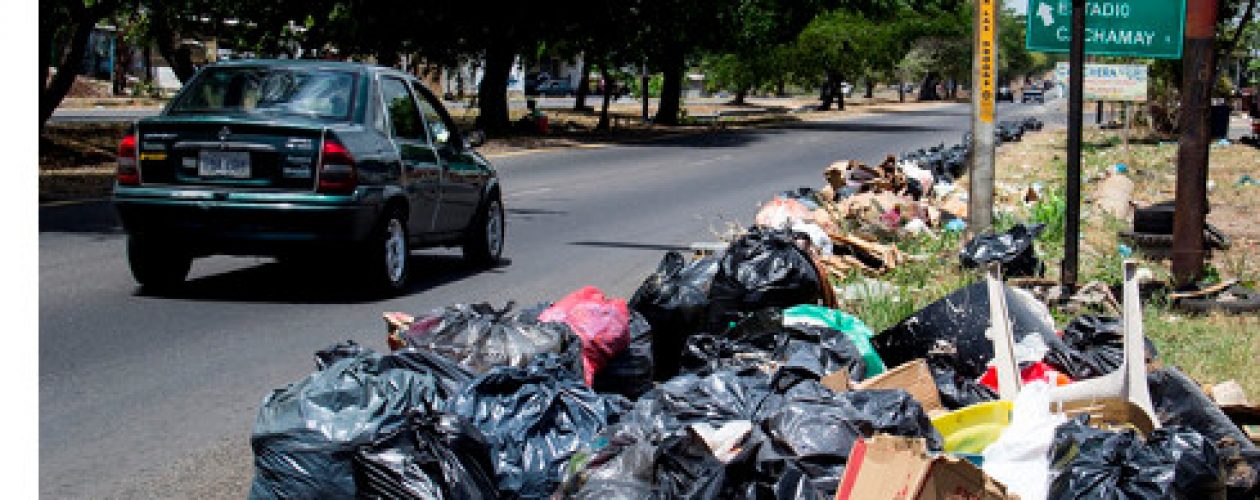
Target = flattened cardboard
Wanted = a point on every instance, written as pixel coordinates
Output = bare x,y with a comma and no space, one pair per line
897,468
838,381
913,377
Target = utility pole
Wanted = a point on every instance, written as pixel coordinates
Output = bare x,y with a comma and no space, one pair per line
1199,67
983,109
1076,117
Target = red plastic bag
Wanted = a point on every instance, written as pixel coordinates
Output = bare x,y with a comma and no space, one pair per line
1038,371
601,322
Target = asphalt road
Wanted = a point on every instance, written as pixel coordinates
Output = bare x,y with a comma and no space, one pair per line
145,396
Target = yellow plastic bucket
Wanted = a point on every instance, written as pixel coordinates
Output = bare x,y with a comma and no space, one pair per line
974,428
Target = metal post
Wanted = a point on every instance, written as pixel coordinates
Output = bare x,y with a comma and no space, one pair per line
643,91
983,109
1192,154
1076,117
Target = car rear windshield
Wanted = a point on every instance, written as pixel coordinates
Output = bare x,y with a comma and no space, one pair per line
312,93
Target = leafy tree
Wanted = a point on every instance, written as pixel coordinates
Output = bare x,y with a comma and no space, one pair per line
64,28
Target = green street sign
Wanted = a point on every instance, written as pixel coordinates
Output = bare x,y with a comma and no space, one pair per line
1135,28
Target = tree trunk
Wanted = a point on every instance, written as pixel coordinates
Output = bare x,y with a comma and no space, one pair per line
780,88
826,95
870,89
671,88
492,96
148,64
740,95
838,88
608,86
51,93
122,64
927,92
175,53
584,85
901,91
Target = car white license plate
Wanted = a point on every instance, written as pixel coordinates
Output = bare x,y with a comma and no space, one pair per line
230,164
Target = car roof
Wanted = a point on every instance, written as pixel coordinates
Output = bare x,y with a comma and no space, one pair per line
310,64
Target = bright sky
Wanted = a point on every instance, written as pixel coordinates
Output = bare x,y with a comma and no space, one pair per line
1019,5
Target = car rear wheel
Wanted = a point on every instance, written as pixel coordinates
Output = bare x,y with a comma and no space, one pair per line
157,266
483,244
387,255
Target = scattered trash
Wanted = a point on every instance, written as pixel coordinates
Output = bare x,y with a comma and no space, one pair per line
893,467
1121,168
1172,462
535,419
1020,458
1124,250
1247,180
972,429
915,378
956,225
866,289
1014,249
852,252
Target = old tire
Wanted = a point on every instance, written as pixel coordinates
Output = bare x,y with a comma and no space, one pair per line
483,242
1244,300
157,266
387,255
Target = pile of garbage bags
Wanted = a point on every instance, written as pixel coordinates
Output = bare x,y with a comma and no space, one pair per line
735,374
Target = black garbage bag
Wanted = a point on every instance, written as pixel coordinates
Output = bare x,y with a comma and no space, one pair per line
1179,401
479,337
630,372
1094,346
327,356
306,434
433,456
686,399
956,390
675,302
617,465
1014,249
450,376
1174,462
952,329
812,433
762,269
535,419
762,341
686,468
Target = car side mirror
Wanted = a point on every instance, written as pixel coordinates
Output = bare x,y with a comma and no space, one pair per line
475,138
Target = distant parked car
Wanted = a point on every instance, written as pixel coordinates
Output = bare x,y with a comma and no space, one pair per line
343,165
1032,94
1005,94
560,88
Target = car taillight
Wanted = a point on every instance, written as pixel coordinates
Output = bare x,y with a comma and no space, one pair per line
128,169
336,169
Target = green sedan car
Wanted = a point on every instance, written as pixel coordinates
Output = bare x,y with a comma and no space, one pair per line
334,164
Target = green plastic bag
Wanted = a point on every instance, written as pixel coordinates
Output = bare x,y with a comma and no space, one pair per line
854,328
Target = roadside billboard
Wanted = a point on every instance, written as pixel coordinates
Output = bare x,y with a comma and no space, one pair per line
1109,82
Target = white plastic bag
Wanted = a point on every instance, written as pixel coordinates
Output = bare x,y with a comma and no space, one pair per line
1020,458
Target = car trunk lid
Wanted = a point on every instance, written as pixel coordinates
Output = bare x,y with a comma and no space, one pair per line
229,153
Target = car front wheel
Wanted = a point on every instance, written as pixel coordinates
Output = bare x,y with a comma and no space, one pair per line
483,244
157,266
388,255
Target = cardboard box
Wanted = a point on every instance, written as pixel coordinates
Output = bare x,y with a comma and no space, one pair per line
897,468
913,377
